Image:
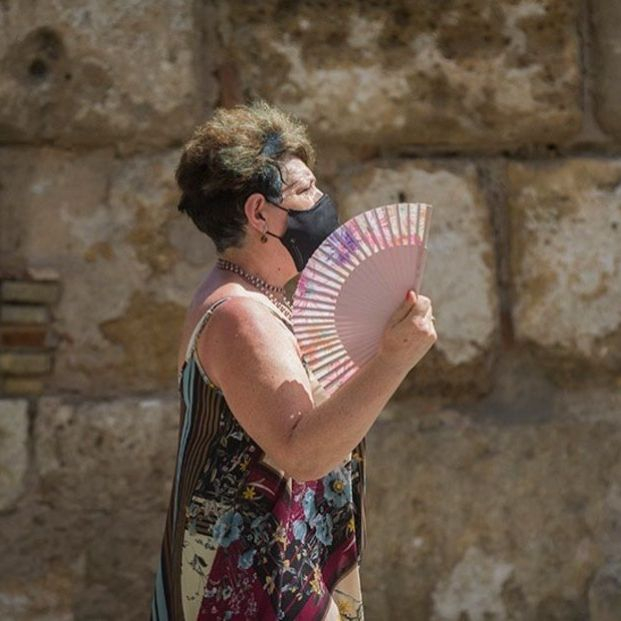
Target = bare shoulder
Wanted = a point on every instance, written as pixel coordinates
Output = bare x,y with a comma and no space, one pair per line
246,314
244,330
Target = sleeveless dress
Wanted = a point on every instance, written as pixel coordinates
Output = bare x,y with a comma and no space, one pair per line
243,541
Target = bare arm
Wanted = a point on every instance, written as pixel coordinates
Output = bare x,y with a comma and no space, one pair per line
254,359
323,437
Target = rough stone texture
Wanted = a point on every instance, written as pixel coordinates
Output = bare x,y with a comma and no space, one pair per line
48,597
95,512
128,261
605,593
473,73
566,258
13,450
79,73
105,448
606,64
474,586
459,273
475,517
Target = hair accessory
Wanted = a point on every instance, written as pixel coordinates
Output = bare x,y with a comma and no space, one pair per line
351,285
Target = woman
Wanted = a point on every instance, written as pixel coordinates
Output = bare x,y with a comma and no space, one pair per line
266,511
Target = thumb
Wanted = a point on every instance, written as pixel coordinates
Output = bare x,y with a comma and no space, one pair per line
405,306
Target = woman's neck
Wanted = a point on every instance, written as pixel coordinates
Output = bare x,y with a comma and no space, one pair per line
266,265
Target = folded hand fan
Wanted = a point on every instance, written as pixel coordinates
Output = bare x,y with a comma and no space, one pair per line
353,283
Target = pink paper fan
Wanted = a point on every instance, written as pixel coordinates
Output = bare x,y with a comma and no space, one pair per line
352,284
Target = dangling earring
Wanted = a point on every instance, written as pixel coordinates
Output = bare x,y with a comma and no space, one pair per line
263,237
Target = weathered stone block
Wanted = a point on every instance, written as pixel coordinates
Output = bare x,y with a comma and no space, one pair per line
459,273
23,313
97,451
566,257
606,64
85,539
25,363
21,386
29,292
477,74
13,450
129,262
79,73
473,518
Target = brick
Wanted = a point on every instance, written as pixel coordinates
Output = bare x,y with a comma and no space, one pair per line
22,386
22,336
24,363
23,313
29,292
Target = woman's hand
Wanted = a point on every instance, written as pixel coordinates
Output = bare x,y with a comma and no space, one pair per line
409,333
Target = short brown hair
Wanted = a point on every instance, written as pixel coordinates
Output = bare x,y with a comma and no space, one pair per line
235,153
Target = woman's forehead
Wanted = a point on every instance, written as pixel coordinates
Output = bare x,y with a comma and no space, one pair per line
296,171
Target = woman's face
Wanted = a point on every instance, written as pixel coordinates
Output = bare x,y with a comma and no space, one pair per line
299,193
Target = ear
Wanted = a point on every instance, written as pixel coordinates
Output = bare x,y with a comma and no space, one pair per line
253,208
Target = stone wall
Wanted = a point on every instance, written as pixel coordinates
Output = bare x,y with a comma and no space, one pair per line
494,476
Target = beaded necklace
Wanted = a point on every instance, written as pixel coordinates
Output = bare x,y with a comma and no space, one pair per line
259,283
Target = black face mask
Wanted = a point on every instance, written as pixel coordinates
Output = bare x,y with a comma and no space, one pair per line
307,228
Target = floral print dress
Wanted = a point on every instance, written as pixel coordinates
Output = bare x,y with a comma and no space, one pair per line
242,540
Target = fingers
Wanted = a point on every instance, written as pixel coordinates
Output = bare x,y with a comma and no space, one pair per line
421,314
429,320
425,325
405,307
421,308
414,305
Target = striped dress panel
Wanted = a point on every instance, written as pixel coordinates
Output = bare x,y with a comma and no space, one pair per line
201,408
